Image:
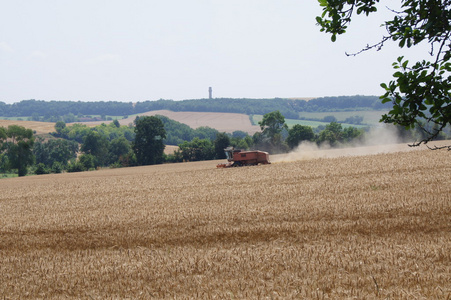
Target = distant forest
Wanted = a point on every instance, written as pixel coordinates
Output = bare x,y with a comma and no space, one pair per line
288,107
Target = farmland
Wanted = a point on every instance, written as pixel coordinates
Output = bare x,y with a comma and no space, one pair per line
370,118
223,122
363,226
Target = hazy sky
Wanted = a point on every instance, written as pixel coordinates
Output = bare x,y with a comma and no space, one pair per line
136,50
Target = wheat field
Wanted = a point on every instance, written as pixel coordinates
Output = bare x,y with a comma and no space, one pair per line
362,227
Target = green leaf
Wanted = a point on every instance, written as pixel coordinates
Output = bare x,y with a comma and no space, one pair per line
402,43
404,64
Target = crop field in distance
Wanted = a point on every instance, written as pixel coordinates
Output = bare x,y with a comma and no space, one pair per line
354,227
370,118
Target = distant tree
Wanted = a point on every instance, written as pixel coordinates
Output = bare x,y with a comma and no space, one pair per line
3,136
19,145
97,145
221,142
57,167
350,133
244,143
35,117
197,149
272,125
118,148
3,157
59,126
88,161
357,120
69,118
299,133
175,157
329,119
41,169
239,134
205,132
54,150
332,134
116,123
148,145
75,166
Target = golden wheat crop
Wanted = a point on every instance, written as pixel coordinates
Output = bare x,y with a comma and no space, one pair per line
363,227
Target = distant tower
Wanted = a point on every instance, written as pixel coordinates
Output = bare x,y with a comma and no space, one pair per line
210,93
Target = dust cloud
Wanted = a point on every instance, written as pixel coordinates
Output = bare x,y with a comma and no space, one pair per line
377,140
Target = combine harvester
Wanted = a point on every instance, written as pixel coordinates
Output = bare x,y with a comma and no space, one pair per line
238,158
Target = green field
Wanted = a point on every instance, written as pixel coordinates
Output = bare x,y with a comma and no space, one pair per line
340,116
370,117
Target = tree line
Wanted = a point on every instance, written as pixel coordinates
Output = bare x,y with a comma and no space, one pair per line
77,147
54,111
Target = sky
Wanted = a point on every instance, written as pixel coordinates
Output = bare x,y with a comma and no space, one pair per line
138,50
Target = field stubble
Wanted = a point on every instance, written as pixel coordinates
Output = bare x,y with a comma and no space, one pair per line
374,226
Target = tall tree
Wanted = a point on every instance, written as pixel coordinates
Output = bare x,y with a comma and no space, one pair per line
420,92
299,133
97,145
221,142
3,158
2,136
333,134
119,147
148,145
19,145
197,149
272,125
54,150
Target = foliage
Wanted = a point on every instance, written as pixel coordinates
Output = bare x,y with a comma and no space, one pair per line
197,149
3,135
299,133
54,150
71,111
116,123
59,127
177,133
118,149
57,167
41,169
96,145
420,92
148,145
271,138
357,120
273,123
18,148
334,134
221,142
75,166
175,157
88,161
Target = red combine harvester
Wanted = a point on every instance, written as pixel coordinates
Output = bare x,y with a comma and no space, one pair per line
238,158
